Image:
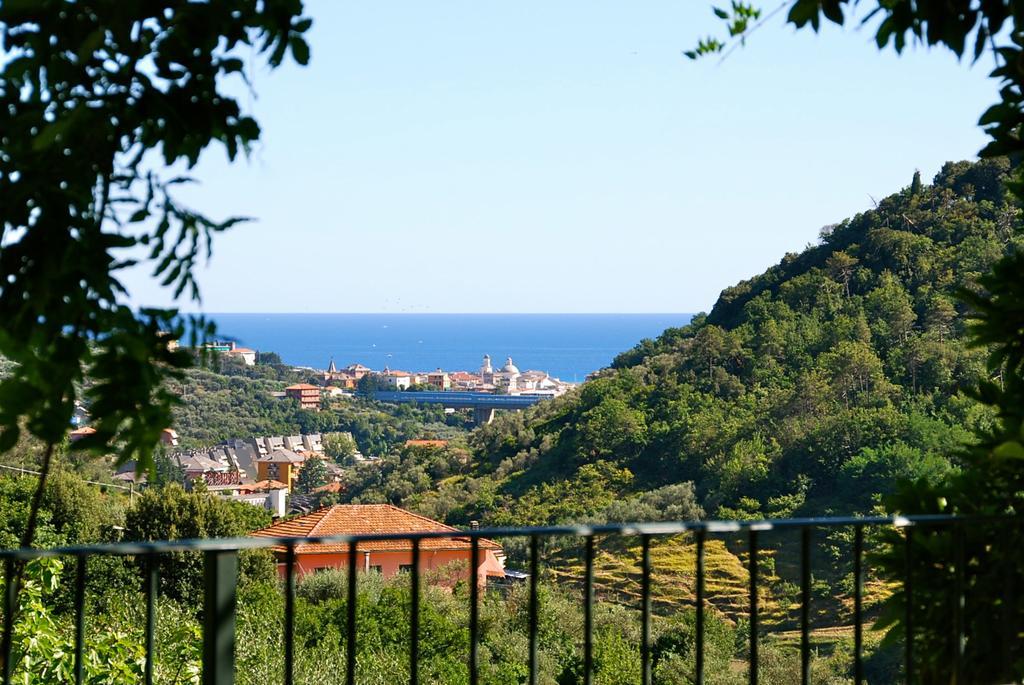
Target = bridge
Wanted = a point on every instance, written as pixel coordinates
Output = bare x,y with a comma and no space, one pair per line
482,404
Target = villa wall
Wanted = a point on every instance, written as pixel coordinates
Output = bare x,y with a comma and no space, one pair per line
390,562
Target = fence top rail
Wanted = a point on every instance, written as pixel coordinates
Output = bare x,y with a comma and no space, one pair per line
630,529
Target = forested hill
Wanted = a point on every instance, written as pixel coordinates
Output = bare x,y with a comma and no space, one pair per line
808,389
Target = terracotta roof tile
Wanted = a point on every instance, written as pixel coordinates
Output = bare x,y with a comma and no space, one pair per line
269,484
356,519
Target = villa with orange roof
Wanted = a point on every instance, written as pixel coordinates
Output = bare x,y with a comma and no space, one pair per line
307,395
247,355
387,557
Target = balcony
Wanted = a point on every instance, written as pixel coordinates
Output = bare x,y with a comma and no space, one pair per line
220,563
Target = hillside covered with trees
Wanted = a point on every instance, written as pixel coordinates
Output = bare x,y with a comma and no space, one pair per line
230,400
809,389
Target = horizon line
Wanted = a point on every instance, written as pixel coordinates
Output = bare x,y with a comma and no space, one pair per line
281,313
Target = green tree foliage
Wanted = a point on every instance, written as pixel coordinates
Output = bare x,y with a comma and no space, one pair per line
112,95
235,401
313,475
44,641
72,512
399,476
171,513
340,447
808,389
990,481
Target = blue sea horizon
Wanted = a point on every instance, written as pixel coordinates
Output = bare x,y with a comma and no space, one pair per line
568,346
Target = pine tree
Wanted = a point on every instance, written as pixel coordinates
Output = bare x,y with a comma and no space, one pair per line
915,185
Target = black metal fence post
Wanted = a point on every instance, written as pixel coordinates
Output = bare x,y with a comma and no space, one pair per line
350,638
474,610
79,617
858,605
220,572
10,607
414,615
805,605
289,615
753,607
645,610
908,596
534,608
152,578
588,613
959,604
699,668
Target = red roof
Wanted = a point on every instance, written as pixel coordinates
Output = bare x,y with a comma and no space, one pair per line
269,484
356,519
80,433
242,350
302,386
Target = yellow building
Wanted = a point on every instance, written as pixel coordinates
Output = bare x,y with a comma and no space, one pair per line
282,465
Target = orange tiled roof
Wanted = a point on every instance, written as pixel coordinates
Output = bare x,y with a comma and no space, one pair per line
330,487
82,432
269,484
302,386
355,519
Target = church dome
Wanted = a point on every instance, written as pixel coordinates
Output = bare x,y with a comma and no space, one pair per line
510,367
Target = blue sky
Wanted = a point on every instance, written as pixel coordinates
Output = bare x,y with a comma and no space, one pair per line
475,156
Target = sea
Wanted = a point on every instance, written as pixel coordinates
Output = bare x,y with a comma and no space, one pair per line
567,346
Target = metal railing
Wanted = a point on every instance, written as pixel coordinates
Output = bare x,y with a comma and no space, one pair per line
221,573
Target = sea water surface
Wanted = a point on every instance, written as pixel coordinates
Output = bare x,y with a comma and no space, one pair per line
568,346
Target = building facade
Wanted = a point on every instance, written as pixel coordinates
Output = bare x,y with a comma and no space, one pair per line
387,557
307,395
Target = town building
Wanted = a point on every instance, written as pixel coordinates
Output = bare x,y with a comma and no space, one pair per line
247,356
388,557
307,395
169,437
345,378
463,380
264,445
439,379
510,380
79,433
396,380
268,494
221,346
281,465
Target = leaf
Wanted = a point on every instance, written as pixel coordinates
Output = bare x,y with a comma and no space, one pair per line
1010,449
720,13
300,49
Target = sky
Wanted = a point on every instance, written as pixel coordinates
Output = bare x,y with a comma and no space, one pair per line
467,156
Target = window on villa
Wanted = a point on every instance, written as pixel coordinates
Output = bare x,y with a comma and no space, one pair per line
375,569
405,568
